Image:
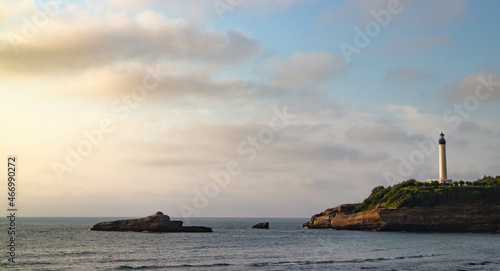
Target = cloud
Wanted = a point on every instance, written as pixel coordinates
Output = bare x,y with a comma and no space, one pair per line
201,147
262,7
469,127
11,11
167,81
141,4
304,70
481,86
278,4
416,13
435,14
407,75
404,44
83,42
419,24
380,133
360,8
198,10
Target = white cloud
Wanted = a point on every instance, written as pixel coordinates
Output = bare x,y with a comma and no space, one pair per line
199,10
262,7
481,86
12,11
305,70
380,133
82,42
407,75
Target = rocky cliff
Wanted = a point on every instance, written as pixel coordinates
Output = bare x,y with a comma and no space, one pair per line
154,223
457,218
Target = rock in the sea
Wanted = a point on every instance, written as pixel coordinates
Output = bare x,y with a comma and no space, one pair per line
263,225
447,218
154,223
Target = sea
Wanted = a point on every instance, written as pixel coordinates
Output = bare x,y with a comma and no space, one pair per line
68,244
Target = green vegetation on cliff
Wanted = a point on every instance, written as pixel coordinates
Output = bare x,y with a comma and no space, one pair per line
411,193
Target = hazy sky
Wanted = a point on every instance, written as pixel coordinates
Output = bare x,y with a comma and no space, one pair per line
242,108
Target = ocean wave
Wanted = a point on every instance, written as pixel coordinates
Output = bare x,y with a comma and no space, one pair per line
284,263
204,265
75,253
479,263
172,266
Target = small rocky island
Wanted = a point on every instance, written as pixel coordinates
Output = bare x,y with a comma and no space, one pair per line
154,223
416,206
263,225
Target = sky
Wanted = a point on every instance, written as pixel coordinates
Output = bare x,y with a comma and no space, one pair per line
234,108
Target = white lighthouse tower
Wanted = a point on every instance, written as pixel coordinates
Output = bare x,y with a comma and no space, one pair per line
443,175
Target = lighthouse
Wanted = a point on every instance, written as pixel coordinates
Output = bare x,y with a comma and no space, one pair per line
443,175
442,158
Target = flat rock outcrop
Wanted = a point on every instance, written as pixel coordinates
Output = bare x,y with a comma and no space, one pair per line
154,223
263,225
457,218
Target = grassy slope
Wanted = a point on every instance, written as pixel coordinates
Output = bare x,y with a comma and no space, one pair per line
412,193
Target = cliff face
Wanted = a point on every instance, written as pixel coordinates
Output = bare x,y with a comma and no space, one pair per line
459,218
155,223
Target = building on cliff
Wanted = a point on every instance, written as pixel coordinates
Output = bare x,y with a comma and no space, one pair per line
443,175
